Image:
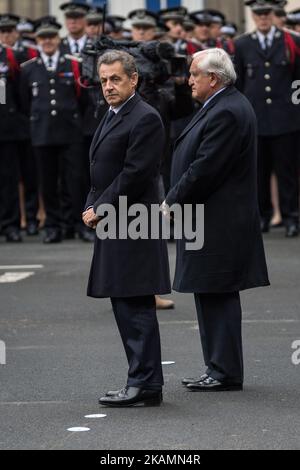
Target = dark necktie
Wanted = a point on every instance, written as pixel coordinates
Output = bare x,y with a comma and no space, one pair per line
50,62
266,44
76,46
110,116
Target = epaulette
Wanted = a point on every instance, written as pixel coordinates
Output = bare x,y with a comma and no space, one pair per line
292,32
30,61
73,57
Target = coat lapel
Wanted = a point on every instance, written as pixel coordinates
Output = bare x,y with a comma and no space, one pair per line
200,115
277,41
99,137
258,47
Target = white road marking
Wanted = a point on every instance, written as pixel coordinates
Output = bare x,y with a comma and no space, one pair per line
168,363
25,266
8,278
30,403
95,416
78,429
29,348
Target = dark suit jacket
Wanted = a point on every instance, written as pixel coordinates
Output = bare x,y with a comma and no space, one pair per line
266,78
125,161
215,164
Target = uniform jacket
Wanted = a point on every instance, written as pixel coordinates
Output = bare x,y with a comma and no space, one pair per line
266,79
51,101
215,164
125,161
13,123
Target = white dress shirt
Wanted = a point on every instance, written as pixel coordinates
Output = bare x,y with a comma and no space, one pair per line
81,43
270,37
118,109
215,94
54,58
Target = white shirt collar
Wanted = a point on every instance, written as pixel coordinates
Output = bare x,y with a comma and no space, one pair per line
270,37
215,94
118,109
55,58
81,43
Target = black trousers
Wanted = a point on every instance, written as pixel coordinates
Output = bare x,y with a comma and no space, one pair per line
60,169
279,154
9,187
220,324
29,177
139,330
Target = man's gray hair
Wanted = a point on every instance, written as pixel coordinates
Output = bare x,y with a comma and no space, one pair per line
128,62
217,61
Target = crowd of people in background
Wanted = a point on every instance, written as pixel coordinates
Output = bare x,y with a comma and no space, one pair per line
49,119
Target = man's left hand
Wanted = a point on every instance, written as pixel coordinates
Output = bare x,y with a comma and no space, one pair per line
90,219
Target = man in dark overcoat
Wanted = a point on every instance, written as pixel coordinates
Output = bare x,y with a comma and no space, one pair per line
125,162
215,165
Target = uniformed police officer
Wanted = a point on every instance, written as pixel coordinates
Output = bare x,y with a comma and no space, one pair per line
173,19
280,14
208,30
202,21
51,96
94,19
10,35
115,23
13,129
143,24
25,29
293,21
75,22
229,31
267,65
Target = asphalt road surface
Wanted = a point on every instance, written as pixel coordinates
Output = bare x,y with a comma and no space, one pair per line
63,352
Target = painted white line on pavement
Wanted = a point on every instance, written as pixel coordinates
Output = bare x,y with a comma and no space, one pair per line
9,278
168,363
30,348
25,266
78,429
19,403
95,416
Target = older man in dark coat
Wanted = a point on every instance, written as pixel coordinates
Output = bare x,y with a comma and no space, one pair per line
125,160
215,165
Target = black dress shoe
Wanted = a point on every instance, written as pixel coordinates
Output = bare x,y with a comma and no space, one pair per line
53,236
113,393
292,231
133,396
212,385
87,236
194,381
32,229
14,236
265,226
